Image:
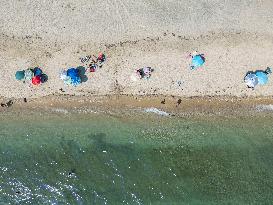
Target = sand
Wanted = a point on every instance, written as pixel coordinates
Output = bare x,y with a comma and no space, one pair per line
235,37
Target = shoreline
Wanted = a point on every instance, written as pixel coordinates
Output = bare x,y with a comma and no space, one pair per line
130,104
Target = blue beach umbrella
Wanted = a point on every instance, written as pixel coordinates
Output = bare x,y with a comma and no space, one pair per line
197,61
20,75
74,74
262,77
37,71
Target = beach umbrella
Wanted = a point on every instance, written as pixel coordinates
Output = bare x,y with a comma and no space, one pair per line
63,75
44,78
68,81
197,61
262,77
20,75
37,71
75,81
74,74
28,74
251,80
36,80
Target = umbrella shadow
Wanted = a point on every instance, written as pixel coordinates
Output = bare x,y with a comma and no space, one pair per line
260,71
82,72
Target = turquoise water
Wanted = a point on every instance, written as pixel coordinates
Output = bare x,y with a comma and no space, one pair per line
96,159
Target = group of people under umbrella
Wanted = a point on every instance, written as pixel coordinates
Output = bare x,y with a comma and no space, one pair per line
252,79
33,75
73,76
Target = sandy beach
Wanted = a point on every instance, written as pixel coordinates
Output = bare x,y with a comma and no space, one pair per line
180,137
234,36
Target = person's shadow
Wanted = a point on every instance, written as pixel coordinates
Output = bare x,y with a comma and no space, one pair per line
82,75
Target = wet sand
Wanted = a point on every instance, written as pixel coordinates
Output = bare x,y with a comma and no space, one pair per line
129,105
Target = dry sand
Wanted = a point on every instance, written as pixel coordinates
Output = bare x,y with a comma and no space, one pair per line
235,36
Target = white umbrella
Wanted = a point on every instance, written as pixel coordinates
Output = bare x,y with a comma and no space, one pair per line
251,80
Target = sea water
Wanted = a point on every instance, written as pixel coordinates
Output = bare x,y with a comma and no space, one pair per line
87,159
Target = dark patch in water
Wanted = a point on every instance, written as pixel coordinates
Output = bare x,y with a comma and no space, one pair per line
95,168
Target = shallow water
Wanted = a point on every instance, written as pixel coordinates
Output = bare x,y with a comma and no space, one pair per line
98,159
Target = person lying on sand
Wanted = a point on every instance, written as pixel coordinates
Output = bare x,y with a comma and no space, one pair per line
96,62
145,72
